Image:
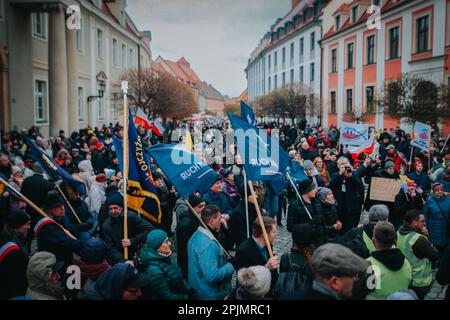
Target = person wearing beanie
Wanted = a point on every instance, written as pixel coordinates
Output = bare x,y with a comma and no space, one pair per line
389,172
187,224
92,261
329,208
229,186
14,255
307,210
113,230
253,283
420,178
335,270
393,271
166,280
298,261
312,174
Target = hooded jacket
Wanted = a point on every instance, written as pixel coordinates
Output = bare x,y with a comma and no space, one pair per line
39,286
393,259
86,172
97,196
109,286
436,211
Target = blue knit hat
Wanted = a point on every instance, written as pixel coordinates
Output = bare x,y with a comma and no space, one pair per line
115,198
93,251
156,238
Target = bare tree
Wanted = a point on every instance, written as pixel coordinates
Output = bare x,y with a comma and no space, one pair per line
159,94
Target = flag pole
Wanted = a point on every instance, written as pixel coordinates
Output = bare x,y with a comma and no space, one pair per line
126,161
298,194
204,226
246,202
446,141
410,158
260,219
68,203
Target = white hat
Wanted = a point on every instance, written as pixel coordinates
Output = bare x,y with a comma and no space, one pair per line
255,280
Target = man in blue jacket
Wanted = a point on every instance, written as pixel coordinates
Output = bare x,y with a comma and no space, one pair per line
210,272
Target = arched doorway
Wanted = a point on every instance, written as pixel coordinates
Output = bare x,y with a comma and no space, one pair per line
4,98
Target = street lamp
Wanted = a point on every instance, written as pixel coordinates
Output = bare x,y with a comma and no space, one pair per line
101,90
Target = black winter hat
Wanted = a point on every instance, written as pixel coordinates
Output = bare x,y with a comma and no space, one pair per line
115,198
156,175
53,200
303,234
93,251
195,200
17,218
305,186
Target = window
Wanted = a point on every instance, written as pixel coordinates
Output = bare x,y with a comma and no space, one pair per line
275,61
124,56
81,108
394,41
101,109
292,53
270,62
99,44
350,55
292,76
313,41
116,110
131,63
349,100
354,14
39,25
333,101
115,52
300,76
422,34
283,80
338,22
283,57
302,48
333,60
40,100
371,49
393,94
270,83
312,68
369,97
79,38
275,84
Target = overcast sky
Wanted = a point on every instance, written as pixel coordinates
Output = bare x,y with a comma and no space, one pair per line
215,36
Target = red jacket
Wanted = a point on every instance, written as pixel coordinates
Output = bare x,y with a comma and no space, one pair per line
398,159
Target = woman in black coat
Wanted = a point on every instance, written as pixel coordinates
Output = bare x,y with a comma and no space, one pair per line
329,209
407,200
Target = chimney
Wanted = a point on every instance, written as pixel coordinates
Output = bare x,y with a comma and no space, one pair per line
295,3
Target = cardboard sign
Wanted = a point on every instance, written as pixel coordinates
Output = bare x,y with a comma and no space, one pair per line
383,189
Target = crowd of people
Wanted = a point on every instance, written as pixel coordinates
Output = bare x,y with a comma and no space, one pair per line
342,240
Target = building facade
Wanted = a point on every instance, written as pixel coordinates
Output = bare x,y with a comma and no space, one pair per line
359,61
58,76
208,98
290,52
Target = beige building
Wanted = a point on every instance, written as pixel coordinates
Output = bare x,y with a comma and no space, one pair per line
209,99
58,74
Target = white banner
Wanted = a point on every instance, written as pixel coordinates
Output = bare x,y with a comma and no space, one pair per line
354,134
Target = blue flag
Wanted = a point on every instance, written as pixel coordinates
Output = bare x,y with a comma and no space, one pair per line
296,171
142,194
53,170
263,158
247,114
188,173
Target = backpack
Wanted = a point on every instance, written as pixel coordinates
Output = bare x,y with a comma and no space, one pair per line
296,278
